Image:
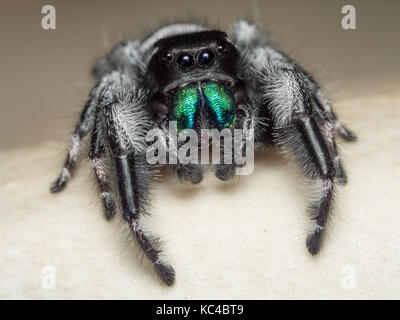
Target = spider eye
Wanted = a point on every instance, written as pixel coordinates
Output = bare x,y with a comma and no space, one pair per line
220,48
185,61
206,58
167,56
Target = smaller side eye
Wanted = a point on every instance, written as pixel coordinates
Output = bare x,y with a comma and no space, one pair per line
220,48
167,56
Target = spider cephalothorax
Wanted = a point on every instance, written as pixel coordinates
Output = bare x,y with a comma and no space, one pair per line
192,74
201,79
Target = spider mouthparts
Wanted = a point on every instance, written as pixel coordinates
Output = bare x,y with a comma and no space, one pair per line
215,77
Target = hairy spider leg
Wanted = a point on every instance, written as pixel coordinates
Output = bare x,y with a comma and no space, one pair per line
343,132
133,176
96,155
82,128
301,128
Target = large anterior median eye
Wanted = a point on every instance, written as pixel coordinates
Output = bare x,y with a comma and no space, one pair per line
185,103
221,102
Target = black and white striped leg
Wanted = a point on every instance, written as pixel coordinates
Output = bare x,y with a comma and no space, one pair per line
320,209
343,132
82,128
304,131
341,175
69,165
96,154
127,184
321,172
133,175
305,142
304,123
328,125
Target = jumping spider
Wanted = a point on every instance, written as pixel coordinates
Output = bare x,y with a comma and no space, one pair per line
202,79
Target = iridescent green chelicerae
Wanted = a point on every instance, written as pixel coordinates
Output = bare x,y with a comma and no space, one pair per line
184,104
186,101
220,100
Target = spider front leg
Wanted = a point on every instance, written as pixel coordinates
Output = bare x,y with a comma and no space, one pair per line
96,155
124,56
130,177
321,171
343,132
304,140
82,128
124,124
305,133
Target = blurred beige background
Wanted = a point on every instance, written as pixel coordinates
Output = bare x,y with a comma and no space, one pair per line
44,76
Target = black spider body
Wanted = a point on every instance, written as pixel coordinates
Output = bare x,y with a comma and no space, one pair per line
203,80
